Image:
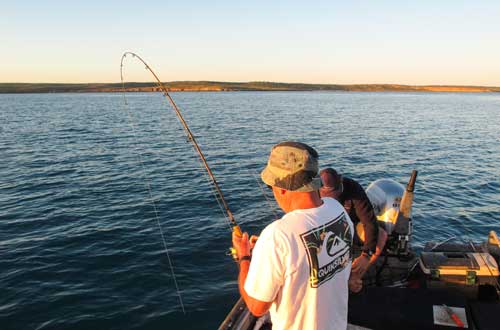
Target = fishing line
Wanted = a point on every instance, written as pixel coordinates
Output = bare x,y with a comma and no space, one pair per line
150,193
215,189
235,227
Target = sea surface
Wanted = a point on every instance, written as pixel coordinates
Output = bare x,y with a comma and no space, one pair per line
85,182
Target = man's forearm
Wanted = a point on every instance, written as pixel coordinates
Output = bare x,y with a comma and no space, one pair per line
371,233
242,277
255,306
364,212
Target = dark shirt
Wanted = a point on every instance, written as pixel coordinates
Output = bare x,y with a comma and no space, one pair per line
359,208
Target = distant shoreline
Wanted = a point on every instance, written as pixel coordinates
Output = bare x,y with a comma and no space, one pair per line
215,86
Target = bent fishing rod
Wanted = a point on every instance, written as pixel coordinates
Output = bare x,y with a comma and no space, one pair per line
234,225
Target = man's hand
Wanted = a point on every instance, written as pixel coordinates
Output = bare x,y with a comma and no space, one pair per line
253,240
360,265
241,245
355,283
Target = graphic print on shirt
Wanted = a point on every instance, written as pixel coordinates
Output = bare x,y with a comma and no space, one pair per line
328,249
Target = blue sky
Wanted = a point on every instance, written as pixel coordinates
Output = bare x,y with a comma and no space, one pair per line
425,42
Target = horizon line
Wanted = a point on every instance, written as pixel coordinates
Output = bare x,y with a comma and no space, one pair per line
252,81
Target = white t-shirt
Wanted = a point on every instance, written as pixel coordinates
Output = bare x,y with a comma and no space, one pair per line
302,263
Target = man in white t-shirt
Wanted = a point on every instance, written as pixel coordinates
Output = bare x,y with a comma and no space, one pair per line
300,266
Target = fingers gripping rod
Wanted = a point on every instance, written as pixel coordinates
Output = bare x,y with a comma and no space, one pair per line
234,224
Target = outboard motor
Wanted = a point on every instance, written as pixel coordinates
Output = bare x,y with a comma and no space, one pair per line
392,206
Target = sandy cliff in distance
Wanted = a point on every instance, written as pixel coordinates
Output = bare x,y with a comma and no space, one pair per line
461,89
196,86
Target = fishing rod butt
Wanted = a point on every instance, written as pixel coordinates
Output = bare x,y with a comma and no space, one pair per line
410,187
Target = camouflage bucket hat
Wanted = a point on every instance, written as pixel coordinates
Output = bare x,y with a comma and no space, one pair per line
292,166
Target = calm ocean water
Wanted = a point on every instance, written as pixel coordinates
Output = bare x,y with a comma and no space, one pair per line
79,244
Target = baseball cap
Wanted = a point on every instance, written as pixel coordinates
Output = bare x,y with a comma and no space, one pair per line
292,166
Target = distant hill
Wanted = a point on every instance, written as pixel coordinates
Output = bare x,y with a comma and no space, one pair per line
195,86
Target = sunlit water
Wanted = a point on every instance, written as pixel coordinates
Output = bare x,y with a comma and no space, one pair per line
80,247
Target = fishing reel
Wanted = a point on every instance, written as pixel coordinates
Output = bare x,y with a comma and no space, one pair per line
232,252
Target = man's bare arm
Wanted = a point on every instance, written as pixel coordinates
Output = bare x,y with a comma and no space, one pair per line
242,246
256,307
